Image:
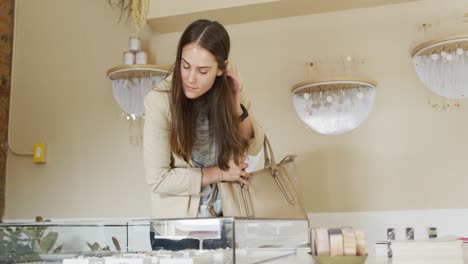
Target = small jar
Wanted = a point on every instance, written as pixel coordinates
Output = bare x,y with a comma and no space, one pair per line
128,58
390,237
432,232
134,44
390,233
141,58
409,233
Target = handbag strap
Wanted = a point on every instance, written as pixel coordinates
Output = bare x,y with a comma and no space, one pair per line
268,154
214,193
283,183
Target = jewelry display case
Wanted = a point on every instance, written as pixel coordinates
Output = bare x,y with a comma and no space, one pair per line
162,241
45,242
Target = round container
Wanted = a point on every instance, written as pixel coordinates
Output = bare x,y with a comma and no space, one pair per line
141,58
134,44
128,58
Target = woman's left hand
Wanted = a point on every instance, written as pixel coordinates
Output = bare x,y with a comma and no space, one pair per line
235,91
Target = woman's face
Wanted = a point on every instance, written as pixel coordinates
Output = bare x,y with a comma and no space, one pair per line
198,69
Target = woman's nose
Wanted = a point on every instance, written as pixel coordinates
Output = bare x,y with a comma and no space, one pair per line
191,76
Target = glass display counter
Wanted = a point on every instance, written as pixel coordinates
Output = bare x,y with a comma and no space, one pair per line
162,241
46,242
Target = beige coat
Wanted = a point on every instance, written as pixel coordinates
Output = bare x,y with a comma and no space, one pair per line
175,185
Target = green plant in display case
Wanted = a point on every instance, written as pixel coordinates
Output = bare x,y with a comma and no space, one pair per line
42,241
25,243
116,243
15,246
97,247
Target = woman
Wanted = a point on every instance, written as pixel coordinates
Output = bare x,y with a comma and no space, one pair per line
198,130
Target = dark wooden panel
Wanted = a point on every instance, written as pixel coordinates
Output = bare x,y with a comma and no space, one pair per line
6,43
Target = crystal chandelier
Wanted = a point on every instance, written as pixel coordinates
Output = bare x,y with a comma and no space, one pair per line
133,80
130,85
442,65
333,106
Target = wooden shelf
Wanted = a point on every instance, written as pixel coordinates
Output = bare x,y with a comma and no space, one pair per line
440,44
336,83
136,71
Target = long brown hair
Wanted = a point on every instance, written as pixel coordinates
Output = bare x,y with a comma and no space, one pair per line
223,120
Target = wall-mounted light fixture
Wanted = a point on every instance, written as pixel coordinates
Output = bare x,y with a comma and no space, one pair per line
442,65
335,105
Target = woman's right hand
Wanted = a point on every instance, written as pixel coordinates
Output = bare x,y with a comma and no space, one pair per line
236,172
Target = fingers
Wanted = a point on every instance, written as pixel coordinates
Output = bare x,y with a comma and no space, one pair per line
233,78
244,177
238,173
244,181
247,175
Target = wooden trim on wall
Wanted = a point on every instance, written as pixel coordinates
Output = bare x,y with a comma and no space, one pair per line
6,51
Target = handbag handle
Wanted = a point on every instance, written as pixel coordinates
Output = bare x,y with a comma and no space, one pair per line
268,154
284,183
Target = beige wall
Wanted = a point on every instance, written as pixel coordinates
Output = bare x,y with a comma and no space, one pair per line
405,156
62,96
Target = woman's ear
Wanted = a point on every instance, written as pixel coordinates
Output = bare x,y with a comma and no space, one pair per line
220,72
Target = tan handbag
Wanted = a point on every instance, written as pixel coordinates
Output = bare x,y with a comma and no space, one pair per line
272,192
